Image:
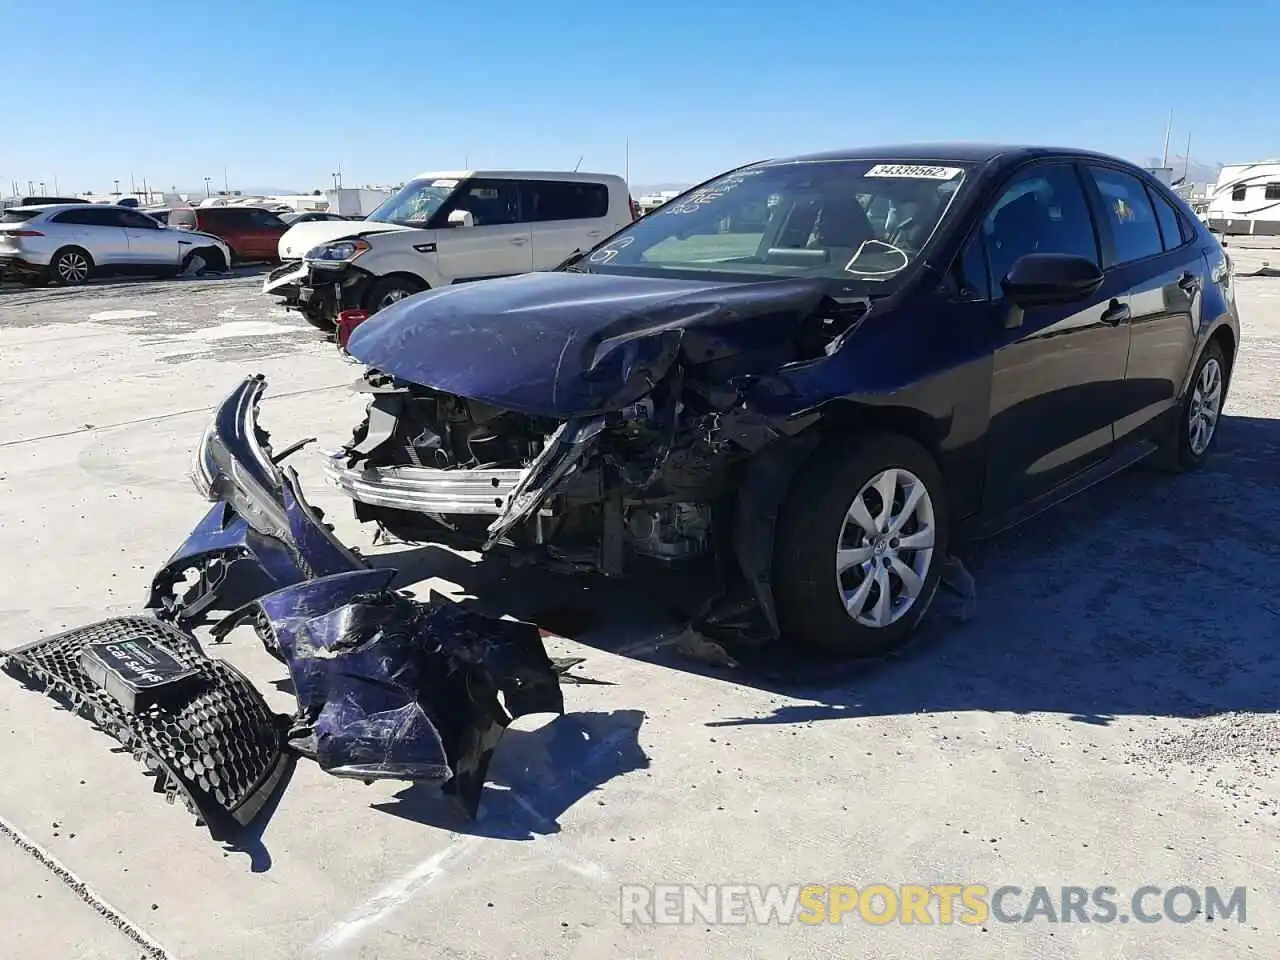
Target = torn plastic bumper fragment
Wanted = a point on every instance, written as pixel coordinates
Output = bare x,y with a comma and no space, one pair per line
391,687
196,724
260,535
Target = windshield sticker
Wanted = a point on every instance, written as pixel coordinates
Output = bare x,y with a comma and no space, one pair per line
606,253
447,184
912,171
708,194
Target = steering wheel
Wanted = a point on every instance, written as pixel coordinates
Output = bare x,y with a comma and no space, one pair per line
897,236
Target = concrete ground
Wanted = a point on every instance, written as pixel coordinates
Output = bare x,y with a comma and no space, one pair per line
1107,717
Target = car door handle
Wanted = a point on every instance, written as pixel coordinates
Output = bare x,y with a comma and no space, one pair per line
518,241
594,234
1116,313
1189,283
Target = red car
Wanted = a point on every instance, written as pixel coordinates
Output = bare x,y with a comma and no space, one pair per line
252,234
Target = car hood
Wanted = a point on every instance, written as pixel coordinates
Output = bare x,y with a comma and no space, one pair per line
301,237
566,345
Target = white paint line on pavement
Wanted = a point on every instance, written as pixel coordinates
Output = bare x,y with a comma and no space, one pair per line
393,896
122,314
151,949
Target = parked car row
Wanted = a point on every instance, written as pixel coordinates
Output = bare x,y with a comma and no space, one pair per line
71,243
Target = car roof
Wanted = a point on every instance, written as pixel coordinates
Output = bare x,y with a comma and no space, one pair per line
54,207
961,152
517,175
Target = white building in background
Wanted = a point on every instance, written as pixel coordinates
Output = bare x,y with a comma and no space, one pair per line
356,201
1246,199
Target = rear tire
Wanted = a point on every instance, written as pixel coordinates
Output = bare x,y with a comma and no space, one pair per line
1190,440
389,290
71,267
856,580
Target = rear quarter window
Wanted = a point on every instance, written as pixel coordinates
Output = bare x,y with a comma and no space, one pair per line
17,216
565,200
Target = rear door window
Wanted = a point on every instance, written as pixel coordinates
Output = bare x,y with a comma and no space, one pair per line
137,221
1129,215
265,220
546,200
91,216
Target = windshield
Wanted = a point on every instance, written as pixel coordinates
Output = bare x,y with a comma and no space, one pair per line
415,203
846,220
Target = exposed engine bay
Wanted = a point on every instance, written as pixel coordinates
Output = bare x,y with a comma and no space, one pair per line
656,469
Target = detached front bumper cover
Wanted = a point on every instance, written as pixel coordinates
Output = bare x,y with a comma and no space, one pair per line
386,686
260,535
390,687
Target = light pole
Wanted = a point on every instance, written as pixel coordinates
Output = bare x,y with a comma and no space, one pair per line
117,183
207,191
42,190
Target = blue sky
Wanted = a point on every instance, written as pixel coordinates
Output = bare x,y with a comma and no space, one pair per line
281,91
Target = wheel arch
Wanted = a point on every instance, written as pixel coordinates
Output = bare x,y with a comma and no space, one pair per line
73,246
767,478
412,279
205,254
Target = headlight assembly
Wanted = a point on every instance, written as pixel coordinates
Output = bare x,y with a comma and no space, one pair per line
341,251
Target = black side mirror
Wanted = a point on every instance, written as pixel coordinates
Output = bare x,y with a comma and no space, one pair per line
1043,278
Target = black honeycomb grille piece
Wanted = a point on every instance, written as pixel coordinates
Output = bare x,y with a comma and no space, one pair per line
220,748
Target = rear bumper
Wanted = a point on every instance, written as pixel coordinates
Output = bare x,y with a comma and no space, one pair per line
427,490
14,265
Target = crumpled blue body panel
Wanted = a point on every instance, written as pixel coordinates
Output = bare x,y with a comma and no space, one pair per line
391,687
234,563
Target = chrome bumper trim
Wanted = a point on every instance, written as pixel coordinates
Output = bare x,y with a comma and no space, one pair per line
424,489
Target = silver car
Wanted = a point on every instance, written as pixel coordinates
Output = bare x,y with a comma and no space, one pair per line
69,243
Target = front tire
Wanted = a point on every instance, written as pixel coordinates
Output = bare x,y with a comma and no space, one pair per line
387,291
860,546
71,267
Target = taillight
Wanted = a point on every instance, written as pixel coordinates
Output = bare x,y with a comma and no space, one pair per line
348,320
25,233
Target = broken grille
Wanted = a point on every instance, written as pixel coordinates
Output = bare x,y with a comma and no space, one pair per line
217,746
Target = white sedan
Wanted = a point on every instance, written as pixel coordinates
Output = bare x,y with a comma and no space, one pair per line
69,243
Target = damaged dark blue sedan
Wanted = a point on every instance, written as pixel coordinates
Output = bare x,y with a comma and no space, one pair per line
825,371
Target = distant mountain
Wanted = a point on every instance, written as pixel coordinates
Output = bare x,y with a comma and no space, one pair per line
1196,172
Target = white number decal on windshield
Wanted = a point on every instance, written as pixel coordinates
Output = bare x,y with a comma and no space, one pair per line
913,171
606,254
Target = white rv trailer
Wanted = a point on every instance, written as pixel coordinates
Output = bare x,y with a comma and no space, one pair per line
1246,199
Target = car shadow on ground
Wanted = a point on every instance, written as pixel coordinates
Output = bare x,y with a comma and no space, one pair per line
535,776
1149,595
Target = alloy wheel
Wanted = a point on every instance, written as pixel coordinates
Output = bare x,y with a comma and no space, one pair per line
391,297
1206,406
886,548
73,267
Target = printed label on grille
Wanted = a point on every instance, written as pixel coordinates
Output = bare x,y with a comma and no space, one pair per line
137,672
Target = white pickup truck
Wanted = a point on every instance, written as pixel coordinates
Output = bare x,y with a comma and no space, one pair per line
445,228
